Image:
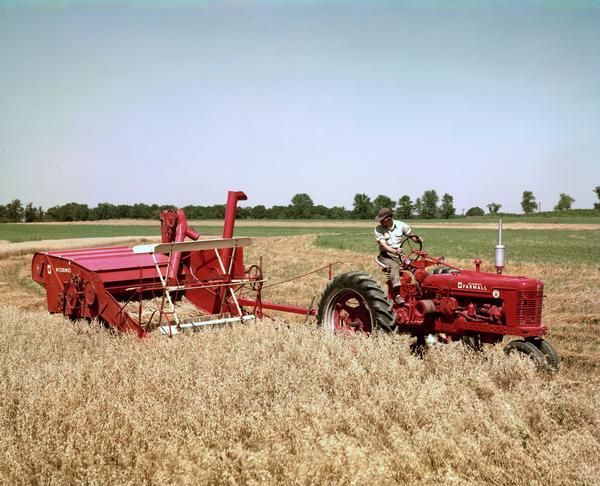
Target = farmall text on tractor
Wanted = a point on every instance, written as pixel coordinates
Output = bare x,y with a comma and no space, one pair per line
442,302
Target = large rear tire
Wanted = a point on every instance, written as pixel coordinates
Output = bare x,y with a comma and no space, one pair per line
354,302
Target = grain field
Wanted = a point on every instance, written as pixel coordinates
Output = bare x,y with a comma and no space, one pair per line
278,402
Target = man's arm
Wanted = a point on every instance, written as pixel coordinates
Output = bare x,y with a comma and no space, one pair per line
407,231
389,249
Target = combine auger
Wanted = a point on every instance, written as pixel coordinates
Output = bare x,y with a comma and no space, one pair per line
442,301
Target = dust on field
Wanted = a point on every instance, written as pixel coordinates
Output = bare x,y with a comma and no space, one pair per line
279,402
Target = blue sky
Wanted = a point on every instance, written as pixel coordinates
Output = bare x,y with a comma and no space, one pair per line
180,101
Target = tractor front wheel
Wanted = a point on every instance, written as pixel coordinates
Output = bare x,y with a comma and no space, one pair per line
552,359
529,350
354,302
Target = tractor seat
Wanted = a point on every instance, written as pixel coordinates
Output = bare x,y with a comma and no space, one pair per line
381,265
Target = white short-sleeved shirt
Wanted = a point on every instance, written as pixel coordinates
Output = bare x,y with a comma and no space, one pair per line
393,236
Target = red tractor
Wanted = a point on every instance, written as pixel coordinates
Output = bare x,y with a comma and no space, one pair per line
444,302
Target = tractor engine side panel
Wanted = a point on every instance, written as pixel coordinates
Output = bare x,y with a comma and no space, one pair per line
520,298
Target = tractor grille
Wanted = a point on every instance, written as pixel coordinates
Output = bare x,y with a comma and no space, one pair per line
529,308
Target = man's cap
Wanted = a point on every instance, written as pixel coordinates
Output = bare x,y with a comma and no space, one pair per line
382,214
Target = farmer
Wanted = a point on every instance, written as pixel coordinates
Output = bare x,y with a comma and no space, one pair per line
390,234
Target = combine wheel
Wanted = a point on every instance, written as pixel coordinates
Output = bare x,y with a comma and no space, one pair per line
529,350
254,272
354,302
72,298
552,359
89,290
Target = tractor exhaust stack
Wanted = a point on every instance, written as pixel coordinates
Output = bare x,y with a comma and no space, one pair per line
499,251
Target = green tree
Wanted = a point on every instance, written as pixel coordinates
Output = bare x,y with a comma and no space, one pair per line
105,211
31,213
363,207
243,212
259,212
528,203
418,207
493,207
475,211
142,211
405,207
319,212
564,202
69,212
14,211
447,208
382,201
429,202
597,191
302,206
123,211
279,212
339,212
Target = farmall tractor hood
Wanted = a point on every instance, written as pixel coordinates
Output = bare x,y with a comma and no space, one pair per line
470,282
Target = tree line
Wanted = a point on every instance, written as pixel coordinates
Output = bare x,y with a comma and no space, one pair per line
427,206
529,205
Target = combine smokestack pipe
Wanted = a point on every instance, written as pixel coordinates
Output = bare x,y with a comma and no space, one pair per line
181,232
499,251
232,199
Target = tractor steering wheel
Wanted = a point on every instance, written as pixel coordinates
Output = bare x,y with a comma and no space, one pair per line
412,245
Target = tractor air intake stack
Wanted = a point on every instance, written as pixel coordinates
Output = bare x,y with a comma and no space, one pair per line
499,251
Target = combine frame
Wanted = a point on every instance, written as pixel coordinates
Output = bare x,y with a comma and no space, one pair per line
104,283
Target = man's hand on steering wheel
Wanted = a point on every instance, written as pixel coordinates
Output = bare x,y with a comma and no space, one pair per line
412,245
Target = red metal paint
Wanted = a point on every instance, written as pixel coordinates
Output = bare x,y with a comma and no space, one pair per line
232,199
278,307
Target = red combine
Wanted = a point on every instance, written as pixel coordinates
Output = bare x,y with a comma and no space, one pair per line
116,284
105,283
